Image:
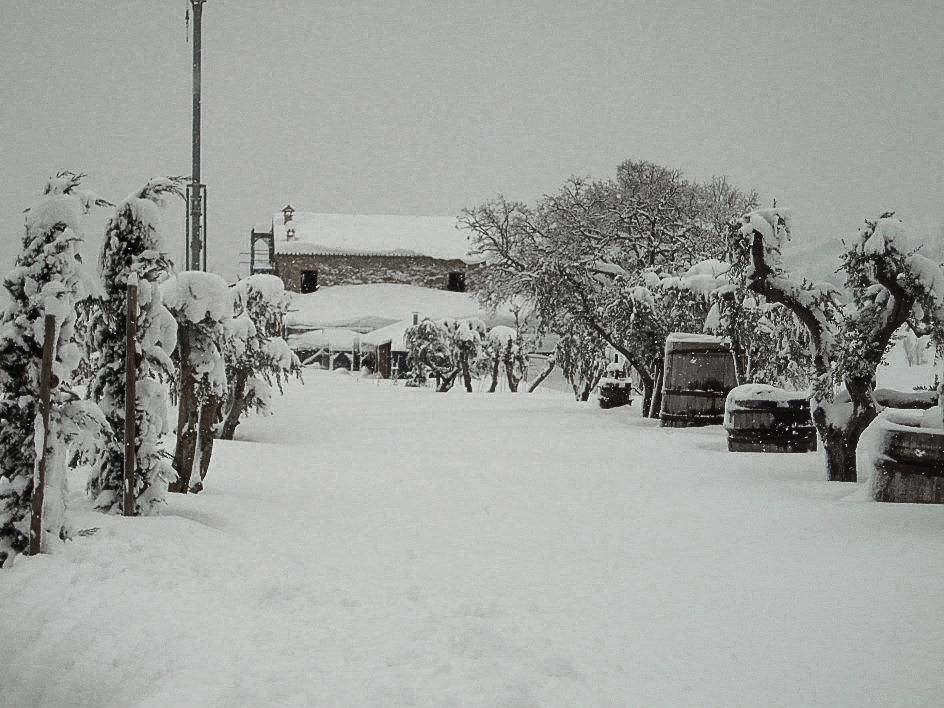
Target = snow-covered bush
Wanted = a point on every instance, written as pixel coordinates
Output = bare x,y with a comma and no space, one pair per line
45,280
446,349
506,347
134,252
202,305
583,361
431,351
468,341
257,357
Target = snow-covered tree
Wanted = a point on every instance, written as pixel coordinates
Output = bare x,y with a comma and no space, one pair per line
134,251
202,304
768,343
468,341
890,285
582,358
257,357
431,350
45,280
597,251
506,349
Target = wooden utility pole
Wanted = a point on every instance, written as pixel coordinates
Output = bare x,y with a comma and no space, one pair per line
39,479
196,192
131,377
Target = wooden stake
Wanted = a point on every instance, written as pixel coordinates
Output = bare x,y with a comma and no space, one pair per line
39,480
131,366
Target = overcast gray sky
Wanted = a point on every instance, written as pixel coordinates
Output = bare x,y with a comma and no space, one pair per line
835,109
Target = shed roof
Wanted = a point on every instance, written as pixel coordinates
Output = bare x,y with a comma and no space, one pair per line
393,333
331,338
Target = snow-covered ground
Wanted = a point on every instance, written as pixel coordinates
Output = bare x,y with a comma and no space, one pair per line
373,545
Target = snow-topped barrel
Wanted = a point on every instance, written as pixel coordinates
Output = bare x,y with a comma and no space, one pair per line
906,457
761,418
699,373
615,389
911,400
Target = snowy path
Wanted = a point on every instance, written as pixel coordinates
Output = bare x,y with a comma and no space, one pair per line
379,546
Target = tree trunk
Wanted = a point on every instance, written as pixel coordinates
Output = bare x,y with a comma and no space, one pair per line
495,372
840,442
187,417
655,408
740,363
446,382
648,381
209,416
840,465
237,406
551,363
466,374
647,391
510,373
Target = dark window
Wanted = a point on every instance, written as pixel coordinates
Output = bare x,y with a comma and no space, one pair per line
456,282
309,281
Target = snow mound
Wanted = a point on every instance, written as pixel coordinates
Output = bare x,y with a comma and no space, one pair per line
762,392
689,337
269,287
501,335
196,296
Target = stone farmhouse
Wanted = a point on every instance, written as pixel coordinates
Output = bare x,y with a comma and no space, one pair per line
309,250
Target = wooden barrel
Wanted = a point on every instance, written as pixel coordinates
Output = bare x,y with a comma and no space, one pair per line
909,464
698,374
766,419
614,393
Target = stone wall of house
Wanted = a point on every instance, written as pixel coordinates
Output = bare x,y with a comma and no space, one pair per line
358,270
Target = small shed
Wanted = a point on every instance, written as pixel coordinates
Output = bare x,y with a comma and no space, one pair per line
331,347
388,347
698,375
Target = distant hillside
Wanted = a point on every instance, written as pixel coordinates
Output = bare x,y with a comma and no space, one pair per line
816,261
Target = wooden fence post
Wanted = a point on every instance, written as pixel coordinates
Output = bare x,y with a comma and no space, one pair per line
39,479
131,366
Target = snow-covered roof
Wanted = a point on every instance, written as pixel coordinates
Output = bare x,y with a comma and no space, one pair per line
343,305
332,338
393,333
371,235
690,337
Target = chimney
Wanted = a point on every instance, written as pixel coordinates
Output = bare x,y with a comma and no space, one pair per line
290,233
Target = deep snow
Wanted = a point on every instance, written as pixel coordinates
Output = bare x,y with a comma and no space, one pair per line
373,545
